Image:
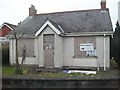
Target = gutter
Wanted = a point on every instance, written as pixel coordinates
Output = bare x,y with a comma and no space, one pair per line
69,34
88,34
24,36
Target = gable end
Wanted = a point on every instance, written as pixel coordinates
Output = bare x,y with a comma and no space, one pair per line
49,24
7,26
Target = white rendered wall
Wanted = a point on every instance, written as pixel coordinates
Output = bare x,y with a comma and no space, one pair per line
58,48
100,51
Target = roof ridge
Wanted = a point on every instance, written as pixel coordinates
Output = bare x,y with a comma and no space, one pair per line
69,11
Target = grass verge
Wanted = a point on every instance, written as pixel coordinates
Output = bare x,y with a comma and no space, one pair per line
111,73
10,70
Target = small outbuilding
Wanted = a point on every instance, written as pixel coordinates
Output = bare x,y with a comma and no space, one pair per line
74,39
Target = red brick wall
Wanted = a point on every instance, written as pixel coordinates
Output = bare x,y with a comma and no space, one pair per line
4,31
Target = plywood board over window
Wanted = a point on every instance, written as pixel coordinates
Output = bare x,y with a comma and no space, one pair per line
82,40
29,43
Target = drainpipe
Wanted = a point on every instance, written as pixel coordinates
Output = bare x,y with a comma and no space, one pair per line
104,54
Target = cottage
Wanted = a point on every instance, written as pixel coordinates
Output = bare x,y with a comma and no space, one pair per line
71,39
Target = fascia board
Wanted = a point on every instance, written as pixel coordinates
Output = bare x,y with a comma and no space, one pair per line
49,24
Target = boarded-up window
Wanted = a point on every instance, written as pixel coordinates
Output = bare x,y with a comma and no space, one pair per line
83,41
29,43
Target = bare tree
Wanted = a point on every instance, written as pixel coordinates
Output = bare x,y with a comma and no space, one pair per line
18,68
23,55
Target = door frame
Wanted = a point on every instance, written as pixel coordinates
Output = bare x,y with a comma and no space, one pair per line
44,51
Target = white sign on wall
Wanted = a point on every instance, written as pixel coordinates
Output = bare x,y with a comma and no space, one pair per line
91,53
86,47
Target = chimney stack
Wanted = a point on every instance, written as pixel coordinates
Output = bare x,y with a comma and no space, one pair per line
32,11
103,4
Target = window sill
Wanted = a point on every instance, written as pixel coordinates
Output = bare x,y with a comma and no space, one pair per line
85,57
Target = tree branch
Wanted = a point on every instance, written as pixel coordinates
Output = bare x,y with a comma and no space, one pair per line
20,36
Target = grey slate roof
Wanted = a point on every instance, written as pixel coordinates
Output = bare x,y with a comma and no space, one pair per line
55,25
94,20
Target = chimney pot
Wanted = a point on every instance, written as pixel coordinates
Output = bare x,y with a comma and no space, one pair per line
32,11
103,4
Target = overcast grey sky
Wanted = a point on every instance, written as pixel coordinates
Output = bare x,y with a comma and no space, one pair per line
14,11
